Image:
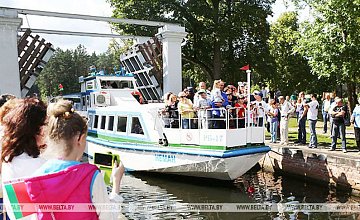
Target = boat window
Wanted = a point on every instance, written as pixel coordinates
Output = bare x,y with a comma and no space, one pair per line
136,127
90,85
91,118
96,121
121,126
111,123
116,84
103,121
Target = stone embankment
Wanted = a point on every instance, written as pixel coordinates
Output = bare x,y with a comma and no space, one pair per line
338,169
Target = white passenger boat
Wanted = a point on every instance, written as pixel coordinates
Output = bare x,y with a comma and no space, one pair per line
118,123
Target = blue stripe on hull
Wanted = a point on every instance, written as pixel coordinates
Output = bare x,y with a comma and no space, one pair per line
207,153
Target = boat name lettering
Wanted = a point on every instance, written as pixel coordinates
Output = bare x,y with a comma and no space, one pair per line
213,138
165,158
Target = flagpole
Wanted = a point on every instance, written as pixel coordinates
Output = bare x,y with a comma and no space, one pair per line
248,95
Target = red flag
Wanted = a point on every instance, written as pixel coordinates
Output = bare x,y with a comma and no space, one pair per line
247,67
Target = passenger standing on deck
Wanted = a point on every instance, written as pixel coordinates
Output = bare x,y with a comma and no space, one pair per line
355,119
23,140
202,86
219,102
261,107
338,124
241,110
171,109
63,179
286,109
325,111
203,103
186,111
302,120
312,117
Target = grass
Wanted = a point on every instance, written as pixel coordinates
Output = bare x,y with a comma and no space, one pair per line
323,139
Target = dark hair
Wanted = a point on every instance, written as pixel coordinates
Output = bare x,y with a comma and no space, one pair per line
21,125
4,98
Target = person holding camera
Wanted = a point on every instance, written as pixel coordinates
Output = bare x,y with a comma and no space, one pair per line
338,124
63,178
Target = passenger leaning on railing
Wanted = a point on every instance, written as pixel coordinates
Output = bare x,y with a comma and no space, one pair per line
171,110
201,105
241,110
186,111
219,102
261,109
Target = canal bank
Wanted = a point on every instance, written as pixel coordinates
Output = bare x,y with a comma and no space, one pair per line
335,168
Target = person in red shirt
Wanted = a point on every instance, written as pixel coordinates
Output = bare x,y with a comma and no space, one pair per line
241,110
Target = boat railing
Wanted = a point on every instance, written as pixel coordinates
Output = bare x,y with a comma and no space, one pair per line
212,118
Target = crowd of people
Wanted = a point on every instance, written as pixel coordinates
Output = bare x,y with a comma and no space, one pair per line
190,109
42,146
208,108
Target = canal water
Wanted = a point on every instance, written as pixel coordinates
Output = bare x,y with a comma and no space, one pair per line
256,186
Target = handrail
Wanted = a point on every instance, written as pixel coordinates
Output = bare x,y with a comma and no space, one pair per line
211,118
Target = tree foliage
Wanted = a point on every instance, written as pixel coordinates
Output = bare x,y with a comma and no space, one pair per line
292,69
65,67
222,35
331,42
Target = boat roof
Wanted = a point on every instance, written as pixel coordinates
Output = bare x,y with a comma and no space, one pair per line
128,77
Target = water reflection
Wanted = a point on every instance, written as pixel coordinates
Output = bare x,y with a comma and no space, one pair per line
254,186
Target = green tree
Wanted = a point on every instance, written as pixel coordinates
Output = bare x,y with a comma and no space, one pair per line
64,68
223,35
292,69
331,42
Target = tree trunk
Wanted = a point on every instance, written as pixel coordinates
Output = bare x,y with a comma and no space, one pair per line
352,97
217,45
217,59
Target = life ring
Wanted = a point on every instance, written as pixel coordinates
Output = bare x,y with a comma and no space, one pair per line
137,96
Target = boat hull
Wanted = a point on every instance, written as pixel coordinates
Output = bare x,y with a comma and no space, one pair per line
223,165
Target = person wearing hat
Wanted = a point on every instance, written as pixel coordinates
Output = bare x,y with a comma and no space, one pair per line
286,109
202,104
186,111
202,86
260,107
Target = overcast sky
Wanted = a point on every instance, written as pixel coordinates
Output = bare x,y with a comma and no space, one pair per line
88,7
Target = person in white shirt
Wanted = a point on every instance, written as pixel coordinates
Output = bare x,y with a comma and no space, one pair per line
201,105
325,111
312,117
260,108
202,86
286,109
332,106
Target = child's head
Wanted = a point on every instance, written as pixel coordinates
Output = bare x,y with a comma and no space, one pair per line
203,95
66,130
